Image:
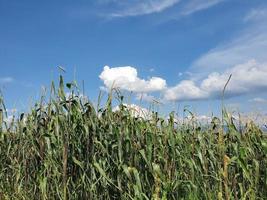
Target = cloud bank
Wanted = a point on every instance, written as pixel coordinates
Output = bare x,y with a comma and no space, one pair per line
244,56
136,111
247,78
126,78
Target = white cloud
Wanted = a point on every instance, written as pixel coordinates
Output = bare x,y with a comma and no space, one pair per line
11,116
256,14
251,43
6,80
244,56
185,90
258,100
198,5
145,7
240,50
203,119
142,7
249,77
136,111
146,97
80,97
9,119
255,117
126,78
11,111
199,118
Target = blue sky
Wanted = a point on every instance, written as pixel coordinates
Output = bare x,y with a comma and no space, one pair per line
180,52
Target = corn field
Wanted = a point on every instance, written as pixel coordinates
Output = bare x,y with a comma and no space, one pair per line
67,148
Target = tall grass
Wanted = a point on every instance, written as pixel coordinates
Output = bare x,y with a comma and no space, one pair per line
65,148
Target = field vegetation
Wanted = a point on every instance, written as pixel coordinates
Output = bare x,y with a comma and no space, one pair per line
68,148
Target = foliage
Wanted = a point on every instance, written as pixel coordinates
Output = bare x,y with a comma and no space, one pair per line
65,148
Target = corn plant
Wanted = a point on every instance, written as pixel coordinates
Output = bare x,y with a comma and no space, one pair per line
67,148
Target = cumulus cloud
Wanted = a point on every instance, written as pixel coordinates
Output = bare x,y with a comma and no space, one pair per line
81,97
197,5
199,118
145,97
255,117
243,56
11,111
249,77
185,90
148,98
126,78
203,119
136,111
